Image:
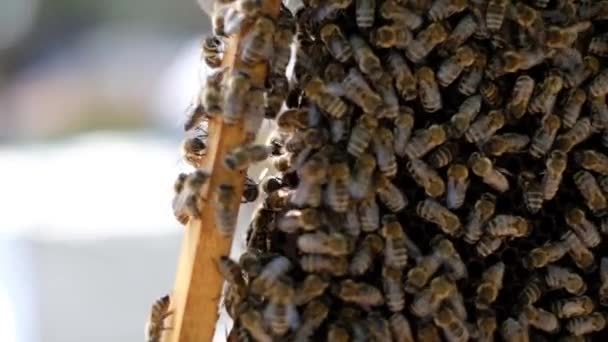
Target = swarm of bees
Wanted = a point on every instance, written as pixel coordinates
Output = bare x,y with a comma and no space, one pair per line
443,170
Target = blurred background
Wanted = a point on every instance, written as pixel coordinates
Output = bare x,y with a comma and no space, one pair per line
92,100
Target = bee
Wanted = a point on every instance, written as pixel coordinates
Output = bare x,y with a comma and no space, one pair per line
324,264
236,88
388,36
491,284
580,254
603,288
500,144
403,130
365,13
471,79
572,107
369,214
232,273
385,155
427,301
226,215
585,229
592,160
580,132
241,158
486,327
359,293
155,325
580,326
591,66
277,91
366,59
317,92
195,115
483,167
491,93
463,30
430,210
283,37
572,307
337,333
212,96
599,45
351,223
467,112
311,175
252,122
270,274
533,289
531,191
495,14
361,135
544,98
426,177
508,226
390,195
395,249
312,287
424,140
212,51
392,10
358,91
337,187
548,253
485,127
334,73
418,276
291,120
427,332
426,40
336,43
390,108
555,166
512,330
194,183
590,190
482,211
378,326
364,255
405,81
428,90
194,149
362,178
442,9
564,37
458,183
599,113
280,313
525,59
452,260
451,68
334,244
277,200
257,45
563,278
453,327
393,288
401,328
544,136
487,245
253,322
315,313
520,97
443,155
